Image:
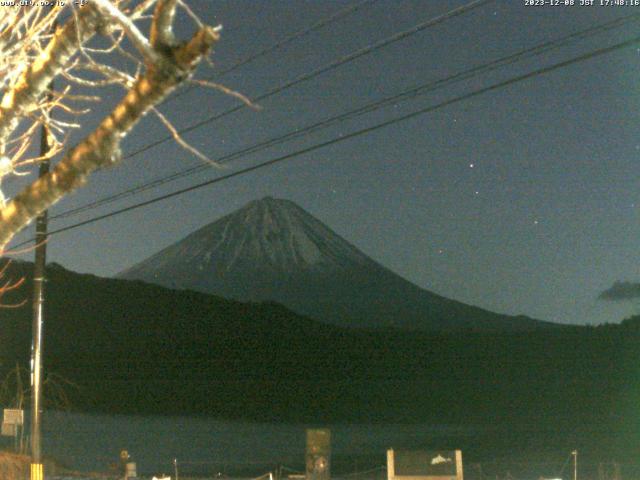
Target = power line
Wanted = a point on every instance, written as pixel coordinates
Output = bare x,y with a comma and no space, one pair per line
403,96
334,17
301,33
350,57
357,133
331,66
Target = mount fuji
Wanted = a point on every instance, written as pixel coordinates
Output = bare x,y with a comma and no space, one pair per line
273,250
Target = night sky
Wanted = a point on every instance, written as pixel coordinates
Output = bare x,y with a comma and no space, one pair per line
524,200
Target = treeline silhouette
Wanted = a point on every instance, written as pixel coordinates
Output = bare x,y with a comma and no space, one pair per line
135,348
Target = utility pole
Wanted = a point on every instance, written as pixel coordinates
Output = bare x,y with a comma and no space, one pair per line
37,469
575,464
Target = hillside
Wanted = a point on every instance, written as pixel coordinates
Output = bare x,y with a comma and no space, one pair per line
140,348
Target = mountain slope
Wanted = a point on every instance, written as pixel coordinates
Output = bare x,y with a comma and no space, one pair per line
136,348
272,249
133,347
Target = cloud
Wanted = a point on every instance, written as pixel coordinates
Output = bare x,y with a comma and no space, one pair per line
621,291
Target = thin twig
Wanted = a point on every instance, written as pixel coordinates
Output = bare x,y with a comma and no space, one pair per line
180,141
226,90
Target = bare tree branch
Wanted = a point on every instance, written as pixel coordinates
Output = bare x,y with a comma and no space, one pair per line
182,142
162,28
32,85
135,35
165,70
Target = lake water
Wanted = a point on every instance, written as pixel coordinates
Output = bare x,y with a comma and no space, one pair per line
86,442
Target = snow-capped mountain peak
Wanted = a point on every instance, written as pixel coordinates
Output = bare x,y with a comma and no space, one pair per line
271,249
266,234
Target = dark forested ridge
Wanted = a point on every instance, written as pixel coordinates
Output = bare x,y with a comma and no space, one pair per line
139,348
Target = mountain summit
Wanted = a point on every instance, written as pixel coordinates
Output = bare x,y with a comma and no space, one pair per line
273,250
